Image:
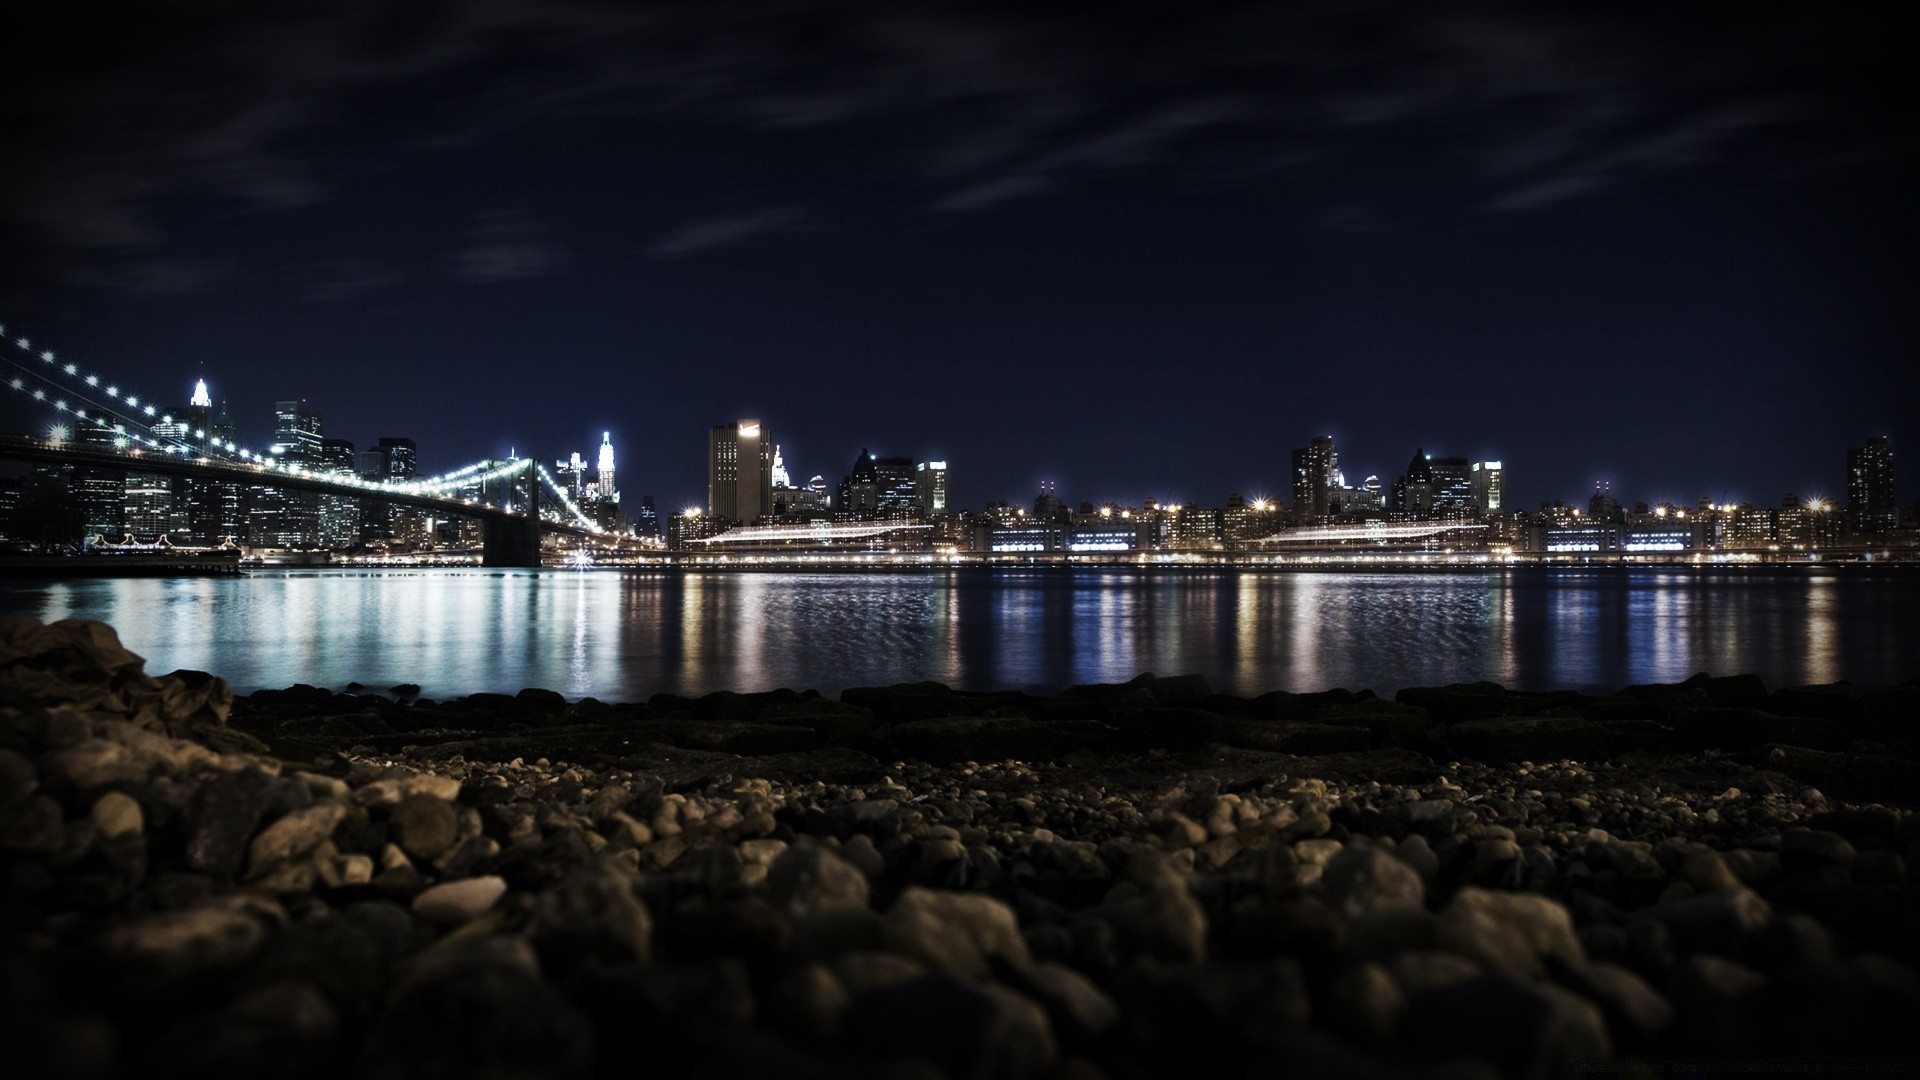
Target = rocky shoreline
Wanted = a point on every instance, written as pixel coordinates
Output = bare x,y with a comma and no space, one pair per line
909,881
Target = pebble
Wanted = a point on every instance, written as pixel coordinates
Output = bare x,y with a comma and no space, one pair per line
457,902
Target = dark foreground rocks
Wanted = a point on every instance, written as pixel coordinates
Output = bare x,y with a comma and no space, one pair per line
1115,881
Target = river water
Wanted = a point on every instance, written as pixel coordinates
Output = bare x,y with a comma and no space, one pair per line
621,636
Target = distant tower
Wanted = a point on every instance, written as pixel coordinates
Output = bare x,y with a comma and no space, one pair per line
780,477
201,399
607,491
739,472
1314,466
1870,504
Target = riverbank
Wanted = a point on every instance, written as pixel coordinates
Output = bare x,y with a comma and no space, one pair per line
1119,880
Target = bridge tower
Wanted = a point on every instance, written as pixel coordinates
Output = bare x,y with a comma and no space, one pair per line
514,541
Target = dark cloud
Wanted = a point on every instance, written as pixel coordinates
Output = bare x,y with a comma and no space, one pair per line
235,107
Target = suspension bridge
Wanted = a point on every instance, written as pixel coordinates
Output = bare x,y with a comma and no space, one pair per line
130,432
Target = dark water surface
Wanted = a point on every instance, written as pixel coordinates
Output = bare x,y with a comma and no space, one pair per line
623,636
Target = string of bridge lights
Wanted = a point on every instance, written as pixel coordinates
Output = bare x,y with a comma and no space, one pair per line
77,403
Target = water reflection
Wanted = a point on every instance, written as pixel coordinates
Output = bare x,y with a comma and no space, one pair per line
626,636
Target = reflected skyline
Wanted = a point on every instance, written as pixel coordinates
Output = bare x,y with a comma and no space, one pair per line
624,637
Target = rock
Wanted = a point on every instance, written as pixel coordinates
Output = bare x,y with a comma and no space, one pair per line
1712,922
425,827
17,777
1515,933
1420,970
1631,1004
804,879
1801,848
33,827
809,1003
1417,853
456,902
116,815
1718,1002
1080,1011
1362,878
964,933
1706,871
219,934
477,1008
1364,1003
293,836
1525,1030
593,914
222,815
965,1030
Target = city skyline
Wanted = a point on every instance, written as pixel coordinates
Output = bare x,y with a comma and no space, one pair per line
1591,241
1839,490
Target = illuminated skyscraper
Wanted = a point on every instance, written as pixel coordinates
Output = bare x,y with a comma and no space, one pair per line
1313,467
739,472
608,493
1870,495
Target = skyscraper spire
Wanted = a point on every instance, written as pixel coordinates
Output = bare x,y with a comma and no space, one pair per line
201,399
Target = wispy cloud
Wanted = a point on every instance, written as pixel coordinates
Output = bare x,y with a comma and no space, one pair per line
721,232
331,280
507,246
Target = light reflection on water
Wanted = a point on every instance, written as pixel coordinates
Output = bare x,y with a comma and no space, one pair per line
625,636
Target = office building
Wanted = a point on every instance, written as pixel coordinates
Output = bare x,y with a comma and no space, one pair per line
1313,467
1416,492
1488,480
930,487
280,517
739,472
339,514
1870,493
1452,484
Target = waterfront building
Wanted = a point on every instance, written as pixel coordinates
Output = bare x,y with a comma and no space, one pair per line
689,525
1313,467
930,487
739,472
339,514
150,514
1195,527
101,493
1751,528
280,517
1591,537
1808,524
1027,537
1488,483
1242,521
1870,491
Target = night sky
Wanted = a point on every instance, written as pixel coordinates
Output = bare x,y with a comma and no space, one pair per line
1147,254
